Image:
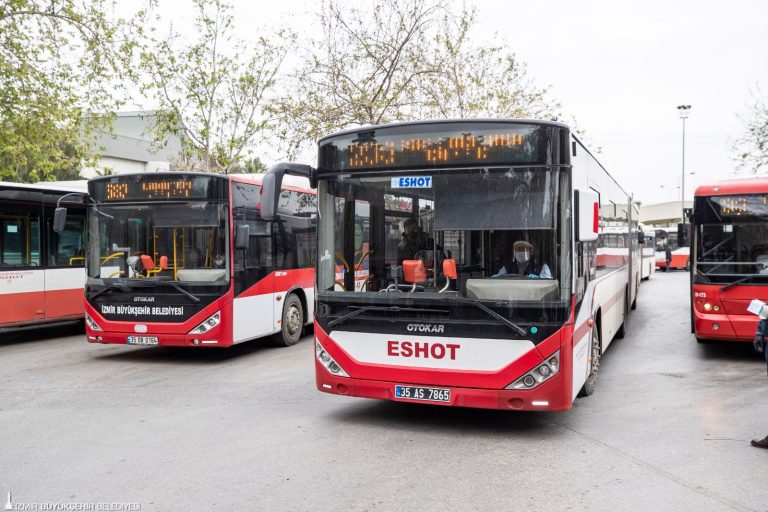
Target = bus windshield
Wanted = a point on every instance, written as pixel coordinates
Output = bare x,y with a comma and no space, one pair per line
185,242
386,237
732,237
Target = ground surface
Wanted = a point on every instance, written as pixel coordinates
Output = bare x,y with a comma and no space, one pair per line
244,429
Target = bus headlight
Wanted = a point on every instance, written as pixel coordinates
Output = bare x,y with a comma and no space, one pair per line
327,361
91,324
208,324
541,373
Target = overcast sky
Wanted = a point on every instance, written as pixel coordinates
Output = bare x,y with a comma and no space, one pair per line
620,68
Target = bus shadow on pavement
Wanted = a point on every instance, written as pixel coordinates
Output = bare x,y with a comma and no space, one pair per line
434,418
46,334
192,355
728,351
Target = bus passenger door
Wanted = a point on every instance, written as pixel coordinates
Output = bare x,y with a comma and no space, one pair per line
252,314
22,278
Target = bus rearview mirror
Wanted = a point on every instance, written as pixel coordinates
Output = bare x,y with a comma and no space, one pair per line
587,211
59,219
242,236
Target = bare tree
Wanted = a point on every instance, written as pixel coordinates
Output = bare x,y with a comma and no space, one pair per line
213,92
473,79
363,70
751,149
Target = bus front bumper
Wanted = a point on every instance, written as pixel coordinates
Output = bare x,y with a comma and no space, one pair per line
724,327
155,340
549,396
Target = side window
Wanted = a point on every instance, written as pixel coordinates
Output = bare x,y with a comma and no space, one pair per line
67,249
19,237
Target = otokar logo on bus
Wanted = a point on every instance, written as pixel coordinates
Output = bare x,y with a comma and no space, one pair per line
412,182
431,328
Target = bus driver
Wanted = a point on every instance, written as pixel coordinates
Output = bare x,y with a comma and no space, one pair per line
523,263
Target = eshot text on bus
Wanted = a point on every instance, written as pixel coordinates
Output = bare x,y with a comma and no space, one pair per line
460,263
185,259
730,258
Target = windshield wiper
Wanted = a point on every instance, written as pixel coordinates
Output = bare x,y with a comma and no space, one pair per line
108,288
176,285
363,309
519,330
741,280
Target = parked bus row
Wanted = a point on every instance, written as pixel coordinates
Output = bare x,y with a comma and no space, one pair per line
472,263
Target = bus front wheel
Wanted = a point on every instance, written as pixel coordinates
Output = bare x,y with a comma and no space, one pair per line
594,355
292,324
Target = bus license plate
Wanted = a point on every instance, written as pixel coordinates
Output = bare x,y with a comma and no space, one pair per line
426,394
142,340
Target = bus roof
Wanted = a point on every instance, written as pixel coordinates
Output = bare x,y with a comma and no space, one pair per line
55,186
734,187
444,121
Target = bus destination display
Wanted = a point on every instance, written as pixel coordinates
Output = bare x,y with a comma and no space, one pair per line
736,206
135,189
474,144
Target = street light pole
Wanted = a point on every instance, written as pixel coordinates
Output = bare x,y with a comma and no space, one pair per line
683,110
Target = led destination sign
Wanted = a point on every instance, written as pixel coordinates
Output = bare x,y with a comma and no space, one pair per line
147,188
432,145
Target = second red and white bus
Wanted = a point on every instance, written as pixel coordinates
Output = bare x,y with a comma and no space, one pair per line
730,258
185,259
444,315
41,271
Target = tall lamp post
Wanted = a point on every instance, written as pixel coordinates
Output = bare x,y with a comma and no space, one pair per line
683,110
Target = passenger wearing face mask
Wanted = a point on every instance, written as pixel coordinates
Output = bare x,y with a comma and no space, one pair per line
523,263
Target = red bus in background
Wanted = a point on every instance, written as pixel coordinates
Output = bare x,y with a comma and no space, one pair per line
185,259
441,214
41,271
678,242
730,258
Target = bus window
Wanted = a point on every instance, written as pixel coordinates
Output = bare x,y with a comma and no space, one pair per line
19,239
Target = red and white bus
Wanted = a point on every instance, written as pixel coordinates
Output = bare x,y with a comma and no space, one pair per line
492,296
648,252
185,259
41,271
730,258
679,245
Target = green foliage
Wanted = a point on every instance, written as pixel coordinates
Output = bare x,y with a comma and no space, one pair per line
212,91
58,60
252,166
751,149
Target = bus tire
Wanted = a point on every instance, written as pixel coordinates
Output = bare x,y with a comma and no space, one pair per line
623,327
637,291
292,325
595,352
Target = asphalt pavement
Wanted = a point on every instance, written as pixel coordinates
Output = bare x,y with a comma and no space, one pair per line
668,428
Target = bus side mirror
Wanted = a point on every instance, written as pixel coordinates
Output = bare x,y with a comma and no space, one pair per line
640,237
270,186
242,236
587,215
59,219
